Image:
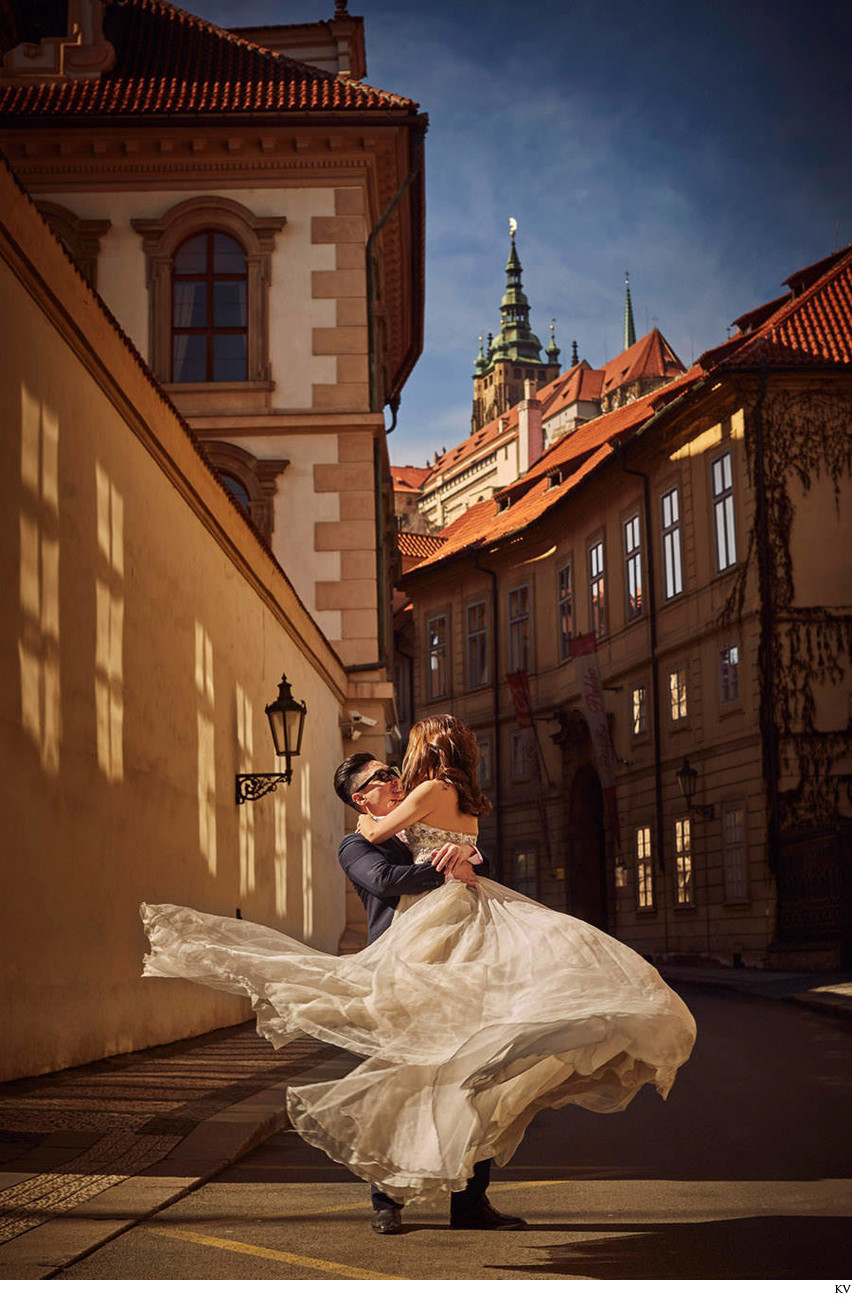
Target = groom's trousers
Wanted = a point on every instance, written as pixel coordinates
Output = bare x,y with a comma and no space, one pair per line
466,1198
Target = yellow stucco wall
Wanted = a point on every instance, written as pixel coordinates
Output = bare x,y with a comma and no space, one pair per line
143,630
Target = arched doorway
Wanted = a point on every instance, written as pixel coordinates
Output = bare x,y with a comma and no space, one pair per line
585,850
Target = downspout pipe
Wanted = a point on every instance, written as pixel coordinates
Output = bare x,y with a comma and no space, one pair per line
498,747
655,681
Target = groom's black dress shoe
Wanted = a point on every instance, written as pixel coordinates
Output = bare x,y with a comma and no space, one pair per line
481,1216
387,1221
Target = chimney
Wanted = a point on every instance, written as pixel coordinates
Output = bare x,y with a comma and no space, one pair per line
530,431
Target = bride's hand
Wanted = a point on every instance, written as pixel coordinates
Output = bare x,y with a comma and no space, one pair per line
365,826
454,860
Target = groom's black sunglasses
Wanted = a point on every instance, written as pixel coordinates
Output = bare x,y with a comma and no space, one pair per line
385,775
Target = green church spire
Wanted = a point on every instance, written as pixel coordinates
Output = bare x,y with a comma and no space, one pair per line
516,340
629,327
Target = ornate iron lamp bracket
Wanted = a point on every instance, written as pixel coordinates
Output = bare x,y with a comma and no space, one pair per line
251,787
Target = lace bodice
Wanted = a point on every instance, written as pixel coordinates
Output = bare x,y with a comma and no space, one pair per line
423,839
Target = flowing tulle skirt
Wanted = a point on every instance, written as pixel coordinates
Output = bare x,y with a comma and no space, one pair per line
476,1009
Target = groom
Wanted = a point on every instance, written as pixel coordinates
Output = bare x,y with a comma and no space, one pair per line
381,873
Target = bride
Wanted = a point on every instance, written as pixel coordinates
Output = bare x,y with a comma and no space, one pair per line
476,1009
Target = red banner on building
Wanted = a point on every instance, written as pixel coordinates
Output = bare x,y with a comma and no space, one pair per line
519,684
584,655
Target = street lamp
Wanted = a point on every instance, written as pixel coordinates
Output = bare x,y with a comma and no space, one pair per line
687,778
287,722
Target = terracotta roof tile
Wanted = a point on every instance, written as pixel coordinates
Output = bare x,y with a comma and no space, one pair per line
408,477
650,357
418,544
812,327
169,61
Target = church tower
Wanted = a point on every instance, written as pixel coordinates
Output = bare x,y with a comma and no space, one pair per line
514,356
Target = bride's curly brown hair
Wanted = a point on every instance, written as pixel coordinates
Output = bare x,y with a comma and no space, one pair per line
444,748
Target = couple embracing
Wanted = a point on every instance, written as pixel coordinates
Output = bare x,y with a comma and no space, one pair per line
472,1006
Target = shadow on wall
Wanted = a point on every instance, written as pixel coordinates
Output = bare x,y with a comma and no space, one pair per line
38,644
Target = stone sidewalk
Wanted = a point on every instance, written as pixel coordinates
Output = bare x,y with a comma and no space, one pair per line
87,1153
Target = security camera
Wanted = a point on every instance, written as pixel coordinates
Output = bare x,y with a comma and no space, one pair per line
360,720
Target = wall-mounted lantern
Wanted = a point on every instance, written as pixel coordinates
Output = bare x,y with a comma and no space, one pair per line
687,778
287,722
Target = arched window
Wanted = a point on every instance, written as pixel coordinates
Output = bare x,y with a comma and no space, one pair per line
209,318
209,270
81,237
251,482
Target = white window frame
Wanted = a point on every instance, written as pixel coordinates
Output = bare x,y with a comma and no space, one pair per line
633,568
729,673
597,588
520,644
477,636
672,552
565,608
644,868
678,696
684,875
724,521
443,656
639,714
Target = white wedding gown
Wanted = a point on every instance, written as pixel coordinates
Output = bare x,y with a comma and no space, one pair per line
476,1009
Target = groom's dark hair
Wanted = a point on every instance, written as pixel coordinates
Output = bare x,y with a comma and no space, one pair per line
346,772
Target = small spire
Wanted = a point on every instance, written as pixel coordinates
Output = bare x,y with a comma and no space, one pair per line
575,359
629,326
553,350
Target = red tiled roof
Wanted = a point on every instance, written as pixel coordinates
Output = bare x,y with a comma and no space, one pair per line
650,357
812,326
408,477
472,447
418,544
169,61
611,427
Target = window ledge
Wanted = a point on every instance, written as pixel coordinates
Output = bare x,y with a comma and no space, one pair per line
250,397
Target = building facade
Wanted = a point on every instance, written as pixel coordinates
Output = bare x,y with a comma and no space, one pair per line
255,224
685,781
212,257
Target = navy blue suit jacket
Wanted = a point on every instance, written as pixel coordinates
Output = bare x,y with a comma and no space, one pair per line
381,873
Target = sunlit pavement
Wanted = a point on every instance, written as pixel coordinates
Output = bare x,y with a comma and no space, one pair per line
742,1173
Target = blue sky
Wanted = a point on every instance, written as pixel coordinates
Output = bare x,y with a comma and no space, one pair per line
702,146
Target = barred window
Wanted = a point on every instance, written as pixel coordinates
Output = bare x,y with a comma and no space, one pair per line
477,645
597,592
566,611
639,709
683,862
723,511
733,848
672,564
519,629
677,694
729,673
633,567
644,870
436,635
